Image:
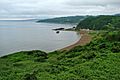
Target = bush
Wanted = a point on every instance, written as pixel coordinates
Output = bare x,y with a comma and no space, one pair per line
88,55
36,53
40,59
113,36
30,77
116,49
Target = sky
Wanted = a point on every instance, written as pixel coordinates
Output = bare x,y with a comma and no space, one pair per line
56,8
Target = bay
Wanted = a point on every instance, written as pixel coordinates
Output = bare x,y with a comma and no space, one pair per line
18,36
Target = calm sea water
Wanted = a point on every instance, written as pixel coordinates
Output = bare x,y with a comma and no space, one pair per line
25,35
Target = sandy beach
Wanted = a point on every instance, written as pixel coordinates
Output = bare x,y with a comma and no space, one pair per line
85,38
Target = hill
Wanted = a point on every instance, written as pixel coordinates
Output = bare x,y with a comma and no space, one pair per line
117,14
99,22
64,20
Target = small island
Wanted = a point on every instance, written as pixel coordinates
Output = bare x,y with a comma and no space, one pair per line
65,29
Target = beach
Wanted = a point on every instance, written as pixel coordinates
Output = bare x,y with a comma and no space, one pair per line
84,39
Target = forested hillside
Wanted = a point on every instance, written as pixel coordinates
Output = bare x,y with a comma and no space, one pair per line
99,22
64,20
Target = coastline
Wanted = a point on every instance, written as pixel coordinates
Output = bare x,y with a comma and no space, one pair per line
84,39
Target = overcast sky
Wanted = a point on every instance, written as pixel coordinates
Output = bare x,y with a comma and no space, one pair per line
53,8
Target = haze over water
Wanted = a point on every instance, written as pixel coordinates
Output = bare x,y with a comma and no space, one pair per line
26,35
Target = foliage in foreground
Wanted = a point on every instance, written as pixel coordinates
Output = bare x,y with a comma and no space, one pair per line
98,60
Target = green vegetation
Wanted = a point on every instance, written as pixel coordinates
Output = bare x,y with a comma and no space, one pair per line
64,20
99,60
99,22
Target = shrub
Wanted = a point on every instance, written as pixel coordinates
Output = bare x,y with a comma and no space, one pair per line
88,55
30,77
40,59
116,49
35,53
113,36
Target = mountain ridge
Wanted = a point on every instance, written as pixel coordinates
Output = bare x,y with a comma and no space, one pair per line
64,20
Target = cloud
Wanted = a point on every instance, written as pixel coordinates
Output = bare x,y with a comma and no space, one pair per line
51,8
93,2
95,6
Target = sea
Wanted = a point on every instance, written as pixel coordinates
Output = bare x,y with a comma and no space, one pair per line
18,36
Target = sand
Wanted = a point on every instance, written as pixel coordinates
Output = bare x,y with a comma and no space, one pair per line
85,38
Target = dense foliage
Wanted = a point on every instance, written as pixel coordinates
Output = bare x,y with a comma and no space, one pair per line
98,60
64,20
99,22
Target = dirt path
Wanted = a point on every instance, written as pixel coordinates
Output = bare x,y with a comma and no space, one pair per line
85,38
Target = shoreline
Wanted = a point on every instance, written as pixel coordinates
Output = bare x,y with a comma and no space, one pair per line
84,39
